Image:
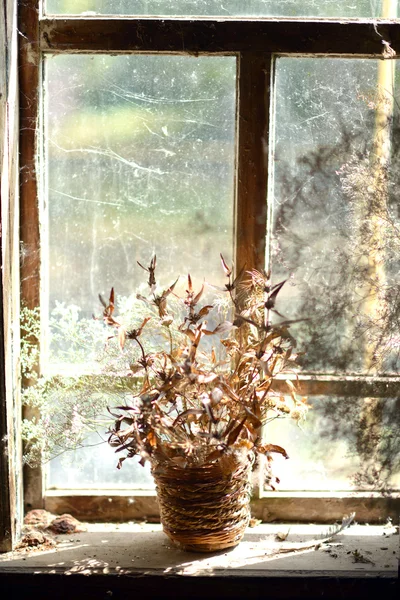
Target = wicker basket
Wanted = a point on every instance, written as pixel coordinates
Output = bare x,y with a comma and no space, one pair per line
205,508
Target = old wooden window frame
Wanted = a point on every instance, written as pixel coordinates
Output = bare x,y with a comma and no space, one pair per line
254,42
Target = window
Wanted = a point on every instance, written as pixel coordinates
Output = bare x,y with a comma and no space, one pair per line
256,129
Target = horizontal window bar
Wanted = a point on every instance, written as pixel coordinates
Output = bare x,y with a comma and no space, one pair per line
336,385
309,384
339,37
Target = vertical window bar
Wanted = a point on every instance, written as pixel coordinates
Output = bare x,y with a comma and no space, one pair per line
252,162
253,134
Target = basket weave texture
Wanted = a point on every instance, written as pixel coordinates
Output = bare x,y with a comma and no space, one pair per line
205,508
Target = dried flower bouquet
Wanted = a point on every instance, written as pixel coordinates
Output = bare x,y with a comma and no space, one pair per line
200,407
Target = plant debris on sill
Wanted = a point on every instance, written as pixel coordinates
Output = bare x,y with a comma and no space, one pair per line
36,539
41,526
66,524
358,557
282,535
254,522
317,542
390,529
38,518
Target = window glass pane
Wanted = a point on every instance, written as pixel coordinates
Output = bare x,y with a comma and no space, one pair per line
229,8
94,466
139,155
343,444
140,160
336,219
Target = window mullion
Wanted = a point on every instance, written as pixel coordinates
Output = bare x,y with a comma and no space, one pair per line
341,385
252,162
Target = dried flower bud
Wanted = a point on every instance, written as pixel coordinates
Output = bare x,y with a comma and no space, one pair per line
216,395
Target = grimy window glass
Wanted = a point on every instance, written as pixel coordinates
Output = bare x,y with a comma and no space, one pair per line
335,214
229,8
140,156
335,225
333,450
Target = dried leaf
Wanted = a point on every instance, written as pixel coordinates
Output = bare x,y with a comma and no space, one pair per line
171,288
151,271
252,418
198,296
120,461
204,311
214,456
237,278
234,434
121,337
140,297
130,444
213,356
223,327
186,413
282,535
266,448
227,270
103,302
194,345
151,438
191,335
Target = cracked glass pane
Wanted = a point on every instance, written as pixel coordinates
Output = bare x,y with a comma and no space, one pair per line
227,8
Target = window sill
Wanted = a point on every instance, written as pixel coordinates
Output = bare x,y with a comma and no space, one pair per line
138,558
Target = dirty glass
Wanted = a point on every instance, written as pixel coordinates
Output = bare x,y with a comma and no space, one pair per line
335,211
229,8
94,466
344,443
139,156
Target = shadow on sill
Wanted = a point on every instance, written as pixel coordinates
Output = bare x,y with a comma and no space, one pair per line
110,561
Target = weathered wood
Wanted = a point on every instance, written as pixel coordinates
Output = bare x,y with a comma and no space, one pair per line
252,161
10,455
325,508
7,493
218,35
5,507
301,507
29,85
29,69
103,507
